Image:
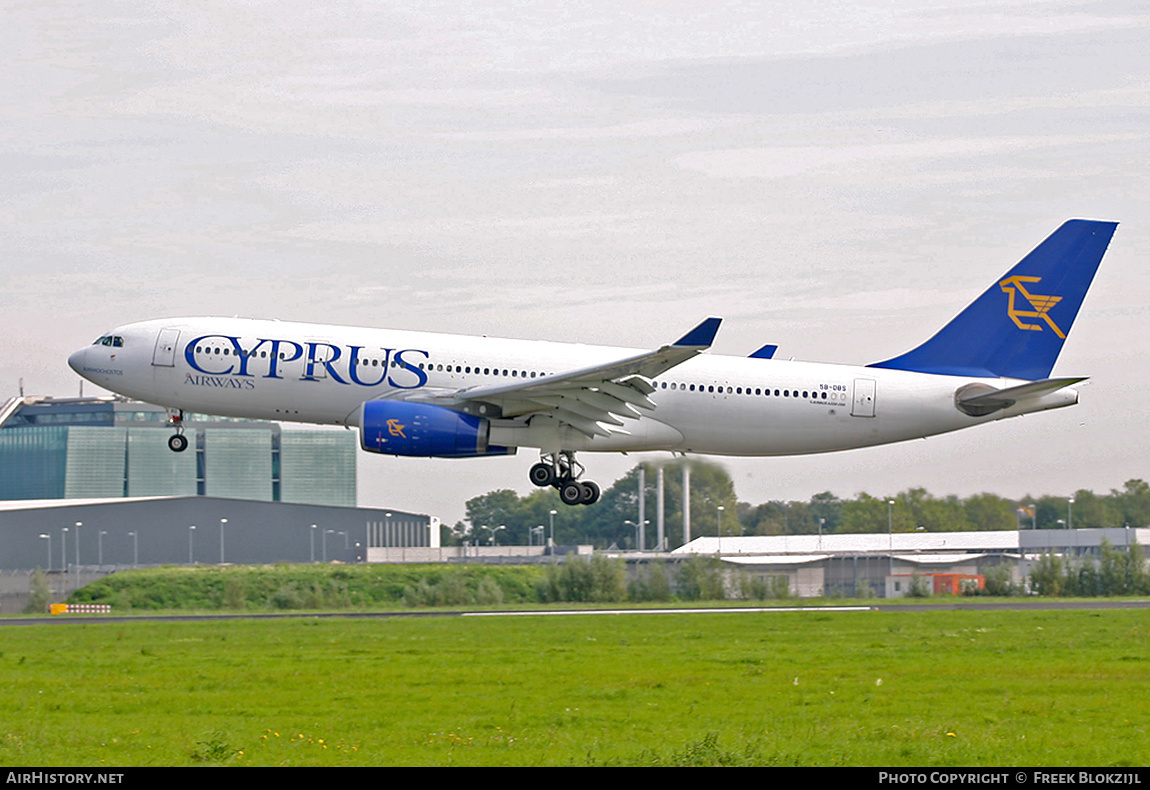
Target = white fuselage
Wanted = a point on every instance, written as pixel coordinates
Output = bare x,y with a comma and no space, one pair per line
711,404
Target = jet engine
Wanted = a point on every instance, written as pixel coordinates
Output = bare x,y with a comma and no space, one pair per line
424,431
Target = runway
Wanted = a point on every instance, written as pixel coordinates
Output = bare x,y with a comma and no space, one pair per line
1021,605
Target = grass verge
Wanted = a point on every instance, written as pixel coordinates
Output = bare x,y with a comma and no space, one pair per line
932,688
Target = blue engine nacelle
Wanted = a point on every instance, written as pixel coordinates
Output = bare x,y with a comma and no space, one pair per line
423,430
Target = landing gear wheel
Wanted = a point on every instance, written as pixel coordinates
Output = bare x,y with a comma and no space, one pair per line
590,493
542,474
177,443
562,471
571,492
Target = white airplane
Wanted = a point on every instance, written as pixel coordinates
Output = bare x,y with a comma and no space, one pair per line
439,395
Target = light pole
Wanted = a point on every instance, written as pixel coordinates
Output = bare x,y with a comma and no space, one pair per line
100,546
719,527
135,549
539,530
222,522
638,532
551,520
78,525
191,534
1069,513
1033,516
64,549
890,531
312,533
46,536
464,536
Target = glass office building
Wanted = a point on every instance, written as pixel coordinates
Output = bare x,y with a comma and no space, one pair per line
86,448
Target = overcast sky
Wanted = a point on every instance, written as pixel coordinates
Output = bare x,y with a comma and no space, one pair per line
839,178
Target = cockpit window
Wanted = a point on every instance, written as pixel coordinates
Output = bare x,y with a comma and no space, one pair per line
114,341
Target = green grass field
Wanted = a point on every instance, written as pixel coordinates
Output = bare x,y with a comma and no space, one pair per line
940,688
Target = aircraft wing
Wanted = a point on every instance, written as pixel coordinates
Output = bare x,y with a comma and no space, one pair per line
590,398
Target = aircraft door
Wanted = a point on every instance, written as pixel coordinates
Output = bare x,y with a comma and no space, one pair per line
165,352
863,405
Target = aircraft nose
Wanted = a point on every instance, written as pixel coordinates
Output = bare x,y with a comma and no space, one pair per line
76,360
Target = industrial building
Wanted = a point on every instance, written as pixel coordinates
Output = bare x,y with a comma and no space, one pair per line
101,447
78,540
89,485
885,565
106,533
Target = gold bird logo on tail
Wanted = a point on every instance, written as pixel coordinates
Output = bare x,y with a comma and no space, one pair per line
1040,305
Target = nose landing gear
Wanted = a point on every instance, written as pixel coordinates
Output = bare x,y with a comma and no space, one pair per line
561,470
177,442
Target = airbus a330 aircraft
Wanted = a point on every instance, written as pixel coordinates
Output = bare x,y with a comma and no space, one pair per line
451,396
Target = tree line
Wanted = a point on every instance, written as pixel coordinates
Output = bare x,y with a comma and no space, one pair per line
505,517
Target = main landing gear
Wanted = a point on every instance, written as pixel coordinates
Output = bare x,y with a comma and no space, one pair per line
177,442
562,471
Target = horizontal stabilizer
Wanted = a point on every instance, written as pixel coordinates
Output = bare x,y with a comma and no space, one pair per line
766,352
978,400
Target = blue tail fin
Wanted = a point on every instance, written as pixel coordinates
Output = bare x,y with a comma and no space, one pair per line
1017,327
